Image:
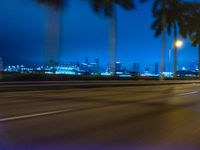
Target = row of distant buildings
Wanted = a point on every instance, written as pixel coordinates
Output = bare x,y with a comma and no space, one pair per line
86,68
94,68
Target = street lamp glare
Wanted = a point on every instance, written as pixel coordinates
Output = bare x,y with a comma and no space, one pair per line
178,43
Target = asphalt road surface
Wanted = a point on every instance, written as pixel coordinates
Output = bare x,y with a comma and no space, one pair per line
159,117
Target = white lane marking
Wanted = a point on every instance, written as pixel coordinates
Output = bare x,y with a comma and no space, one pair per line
189,93
34,115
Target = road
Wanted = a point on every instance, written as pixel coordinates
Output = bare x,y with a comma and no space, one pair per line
126,117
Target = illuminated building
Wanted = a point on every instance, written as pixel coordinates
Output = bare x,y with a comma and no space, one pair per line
96,60
136,67
86,60
146,70
156,71
118,66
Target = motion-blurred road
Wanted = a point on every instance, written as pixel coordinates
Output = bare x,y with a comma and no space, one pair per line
116,117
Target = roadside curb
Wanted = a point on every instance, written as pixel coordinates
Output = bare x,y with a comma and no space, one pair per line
37,86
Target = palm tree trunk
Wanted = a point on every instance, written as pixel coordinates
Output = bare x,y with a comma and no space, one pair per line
53,36
199,62
162,61
175,51
113,38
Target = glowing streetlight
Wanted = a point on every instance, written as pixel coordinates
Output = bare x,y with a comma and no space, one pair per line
178,43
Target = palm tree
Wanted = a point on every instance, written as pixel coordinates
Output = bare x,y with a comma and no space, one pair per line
53,33
195,34
56,4
108,9
168,17
191,27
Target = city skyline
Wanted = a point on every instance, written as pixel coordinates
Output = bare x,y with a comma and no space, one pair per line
135,66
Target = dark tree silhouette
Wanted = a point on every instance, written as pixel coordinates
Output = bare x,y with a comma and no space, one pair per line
168,17
191,27
56,4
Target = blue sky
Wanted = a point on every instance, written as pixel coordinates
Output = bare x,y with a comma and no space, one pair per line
84,33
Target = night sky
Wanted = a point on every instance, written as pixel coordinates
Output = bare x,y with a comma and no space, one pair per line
84,33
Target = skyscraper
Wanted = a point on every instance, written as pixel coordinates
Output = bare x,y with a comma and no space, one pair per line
118,66
156,71
96,60
136,67
97,65
86,60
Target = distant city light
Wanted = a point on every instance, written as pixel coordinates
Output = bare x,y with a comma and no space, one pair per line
183,68
94,68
